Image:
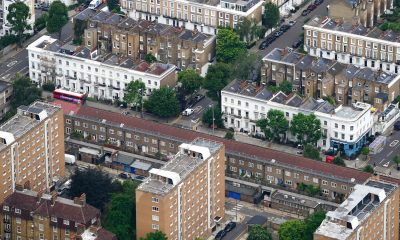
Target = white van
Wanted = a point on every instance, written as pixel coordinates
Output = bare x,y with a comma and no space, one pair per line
69,159
187,112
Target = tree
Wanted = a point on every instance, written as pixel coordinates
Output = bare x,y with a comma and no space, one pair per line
245,64
190,80
306,128
243,28
229,46
218,76
58,17
18,14
271,15
286,87
134,93
312,222
79,29
40,22
96,184
25,92
163,103
312,152
207,117
112,5
292,230
157,235
330,100
368,169
365,151
257,232
149,58
396,159
274,126
120,216
339,161
230,135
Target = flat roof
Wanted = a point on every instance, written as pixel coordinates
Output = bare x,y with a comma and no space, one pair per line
179,167
355,209
295,199
20,123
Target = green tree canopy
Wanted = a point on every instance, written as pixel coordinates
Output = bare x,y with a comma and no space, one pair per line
96,184
190,80
58,17
312,152
230,135
312,222
163,103
306,128
113,5
207,117
271,15
245,64
120,216
134,93
25,92
365,151
229,45
274,126
396,159
286,87
218,76
257,232
339,161
18,14
368,169
157,235
292,230
150,58
40,22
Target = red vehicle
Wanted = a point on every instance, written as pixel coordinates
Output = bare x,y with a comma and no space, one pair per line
69,96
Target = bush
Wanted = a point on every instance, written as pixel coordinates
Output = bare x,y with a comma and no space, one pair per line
311,152
229,135
48,87
8,40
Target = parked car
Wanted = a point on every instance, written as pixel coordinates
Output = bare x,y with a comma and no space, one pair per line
284,27
312,7
123,176
45,7
318,2
278,33
305,12
60,191
230,226
221,234
263,45
397,126
292,23
199,97
297,43
187,112
38,5
139,178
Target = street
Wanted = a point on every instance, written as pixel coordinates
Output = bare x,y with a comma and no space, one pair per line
20,62
293,34
385,156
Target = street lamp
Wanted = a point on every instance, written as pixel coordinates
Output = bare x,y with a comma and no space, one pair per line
141,101
213,118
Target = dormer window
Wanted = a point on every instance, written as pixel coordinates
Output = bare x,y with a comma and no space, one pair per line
18,211
54,219
6,208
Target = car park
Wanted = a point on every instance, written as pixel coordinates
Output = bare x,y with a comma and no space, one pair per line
221,234
305,12
230,226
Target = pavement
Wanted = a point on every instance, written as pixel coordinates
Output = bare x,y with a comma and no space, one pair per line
293,34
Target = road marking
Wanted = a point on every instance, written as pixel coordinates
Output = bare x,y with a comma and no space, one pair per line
22,70
387,155
382,161
394,143
198,109
12,63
